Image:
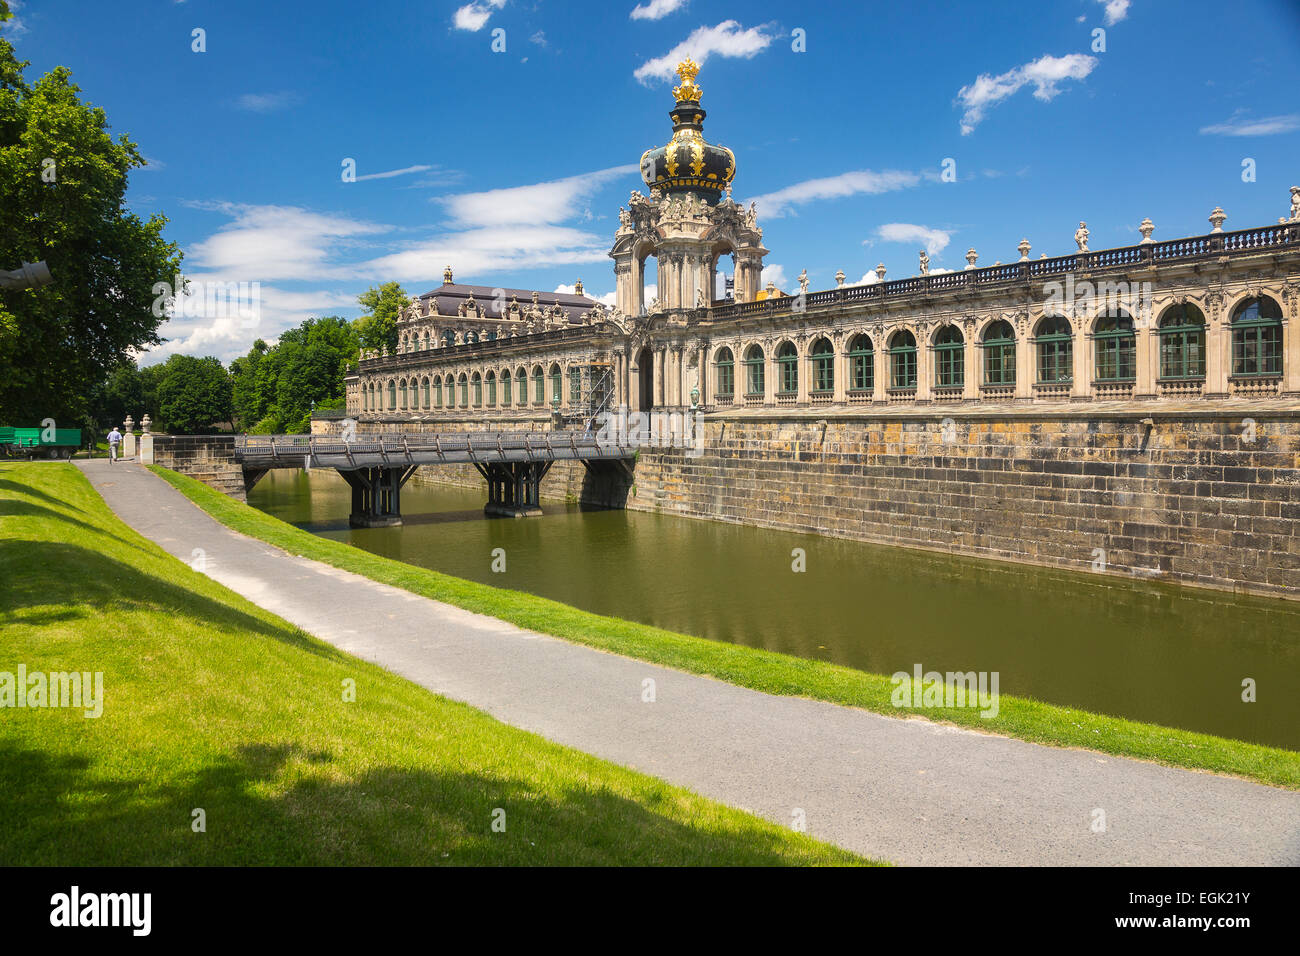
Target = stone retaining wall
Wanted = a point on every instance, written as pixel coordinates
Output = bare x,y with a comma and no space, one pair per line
209,458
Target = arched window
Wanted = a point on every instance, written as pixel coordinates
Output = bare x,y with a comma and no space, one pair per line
999,353
787,364
726,372
401,393
1182,342
575,386
949,358
448,338
451,391
902,360
478,390
505,387
557,385
464,390
862,364
823,367
1257,337
539,386
754,384
424,387
1055,346
437,391
491,379
521,386
492,335
392,395
1115,347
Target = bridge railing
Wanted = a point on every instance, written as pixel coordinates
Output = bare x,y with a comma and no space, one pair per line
454,446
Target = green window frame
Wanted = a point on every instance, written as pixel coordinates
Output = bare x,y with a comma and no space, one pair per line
491,380
862,364
539,386
1257,338
521,386
1055,347
424,398
949,358
575,386
437,392
902,361
505,387
1115,348
823,367
1000,354
392,395
464,390
755,380
1182,343
726,366
557,385
787,362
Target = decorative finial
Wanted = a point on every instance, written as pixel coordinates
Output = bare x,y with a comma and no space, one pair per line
880,271
839,278
688,92
1023,249
971,257
1146,227
446,276
1217,219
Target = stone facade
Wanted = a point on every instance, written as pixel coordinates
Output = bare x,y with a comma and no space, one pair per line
209,458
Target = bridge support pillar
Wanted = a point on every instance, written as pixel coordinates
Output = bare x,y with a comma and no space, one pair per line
513,487
376,495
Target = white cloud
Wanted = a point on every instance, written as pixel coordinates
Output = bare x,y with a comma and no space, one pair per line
1116,10
267,102
934,240
549,202
776,275
655,9
1260,127
1044,74
775,204
539,38
474,16
727,39
267,243
406,170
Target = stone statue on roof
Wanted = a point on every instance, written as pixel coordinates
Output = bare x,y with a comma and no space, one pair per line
1081,237
925,263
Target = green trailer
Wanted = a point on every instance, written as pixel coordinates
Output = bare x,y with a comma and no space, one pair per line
39,442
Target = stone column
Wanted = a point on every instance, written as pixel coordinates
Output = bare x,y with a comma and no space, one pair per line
1290,355
880,358
924,366
971,368
1218,355
128,438
1026,372
1146,357
841,370
1082,366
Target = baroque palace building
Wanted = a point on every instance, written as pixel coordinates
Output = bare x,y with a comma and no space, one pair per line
1205,318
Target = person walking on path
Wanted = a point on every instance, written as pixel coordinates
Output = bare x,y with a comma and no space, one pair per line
114,439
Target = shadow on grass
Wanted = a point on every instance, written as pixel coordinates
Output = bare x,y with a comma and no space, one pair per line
55,810
39,574
21,488
11,508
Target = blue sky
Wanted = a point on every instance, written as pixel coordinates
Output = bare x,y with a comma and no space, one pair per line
511,165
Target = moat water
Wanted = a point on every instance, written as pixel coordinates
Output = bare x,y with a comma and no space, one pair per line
1145,650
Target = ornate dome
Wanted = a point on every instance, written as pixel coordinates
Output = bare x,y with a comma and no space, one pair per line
687,163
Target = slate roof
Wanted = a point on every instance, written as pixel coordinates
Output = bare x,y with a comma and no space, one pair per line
450,295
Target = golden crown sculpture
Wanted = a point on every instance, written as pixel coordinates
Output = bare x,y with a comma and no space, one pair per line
688,92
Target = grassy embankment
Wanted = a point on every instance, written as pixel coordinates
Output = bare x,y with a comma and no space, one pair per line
212,703
766,671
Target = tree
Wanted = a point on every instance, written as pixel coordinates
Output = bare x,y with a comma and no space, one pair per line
63,180
276,387
378,328
119,395
194,394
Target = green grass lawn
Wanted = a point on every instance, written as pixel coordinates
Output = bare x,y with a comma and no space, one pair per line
212,703
763,670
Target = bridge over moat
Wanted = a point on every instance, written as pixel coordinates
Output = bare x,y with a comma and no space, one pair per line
378,466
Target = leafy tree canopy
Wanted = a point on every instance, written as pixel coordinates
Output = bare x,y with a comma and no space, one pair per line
63,180
378,327
194,394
